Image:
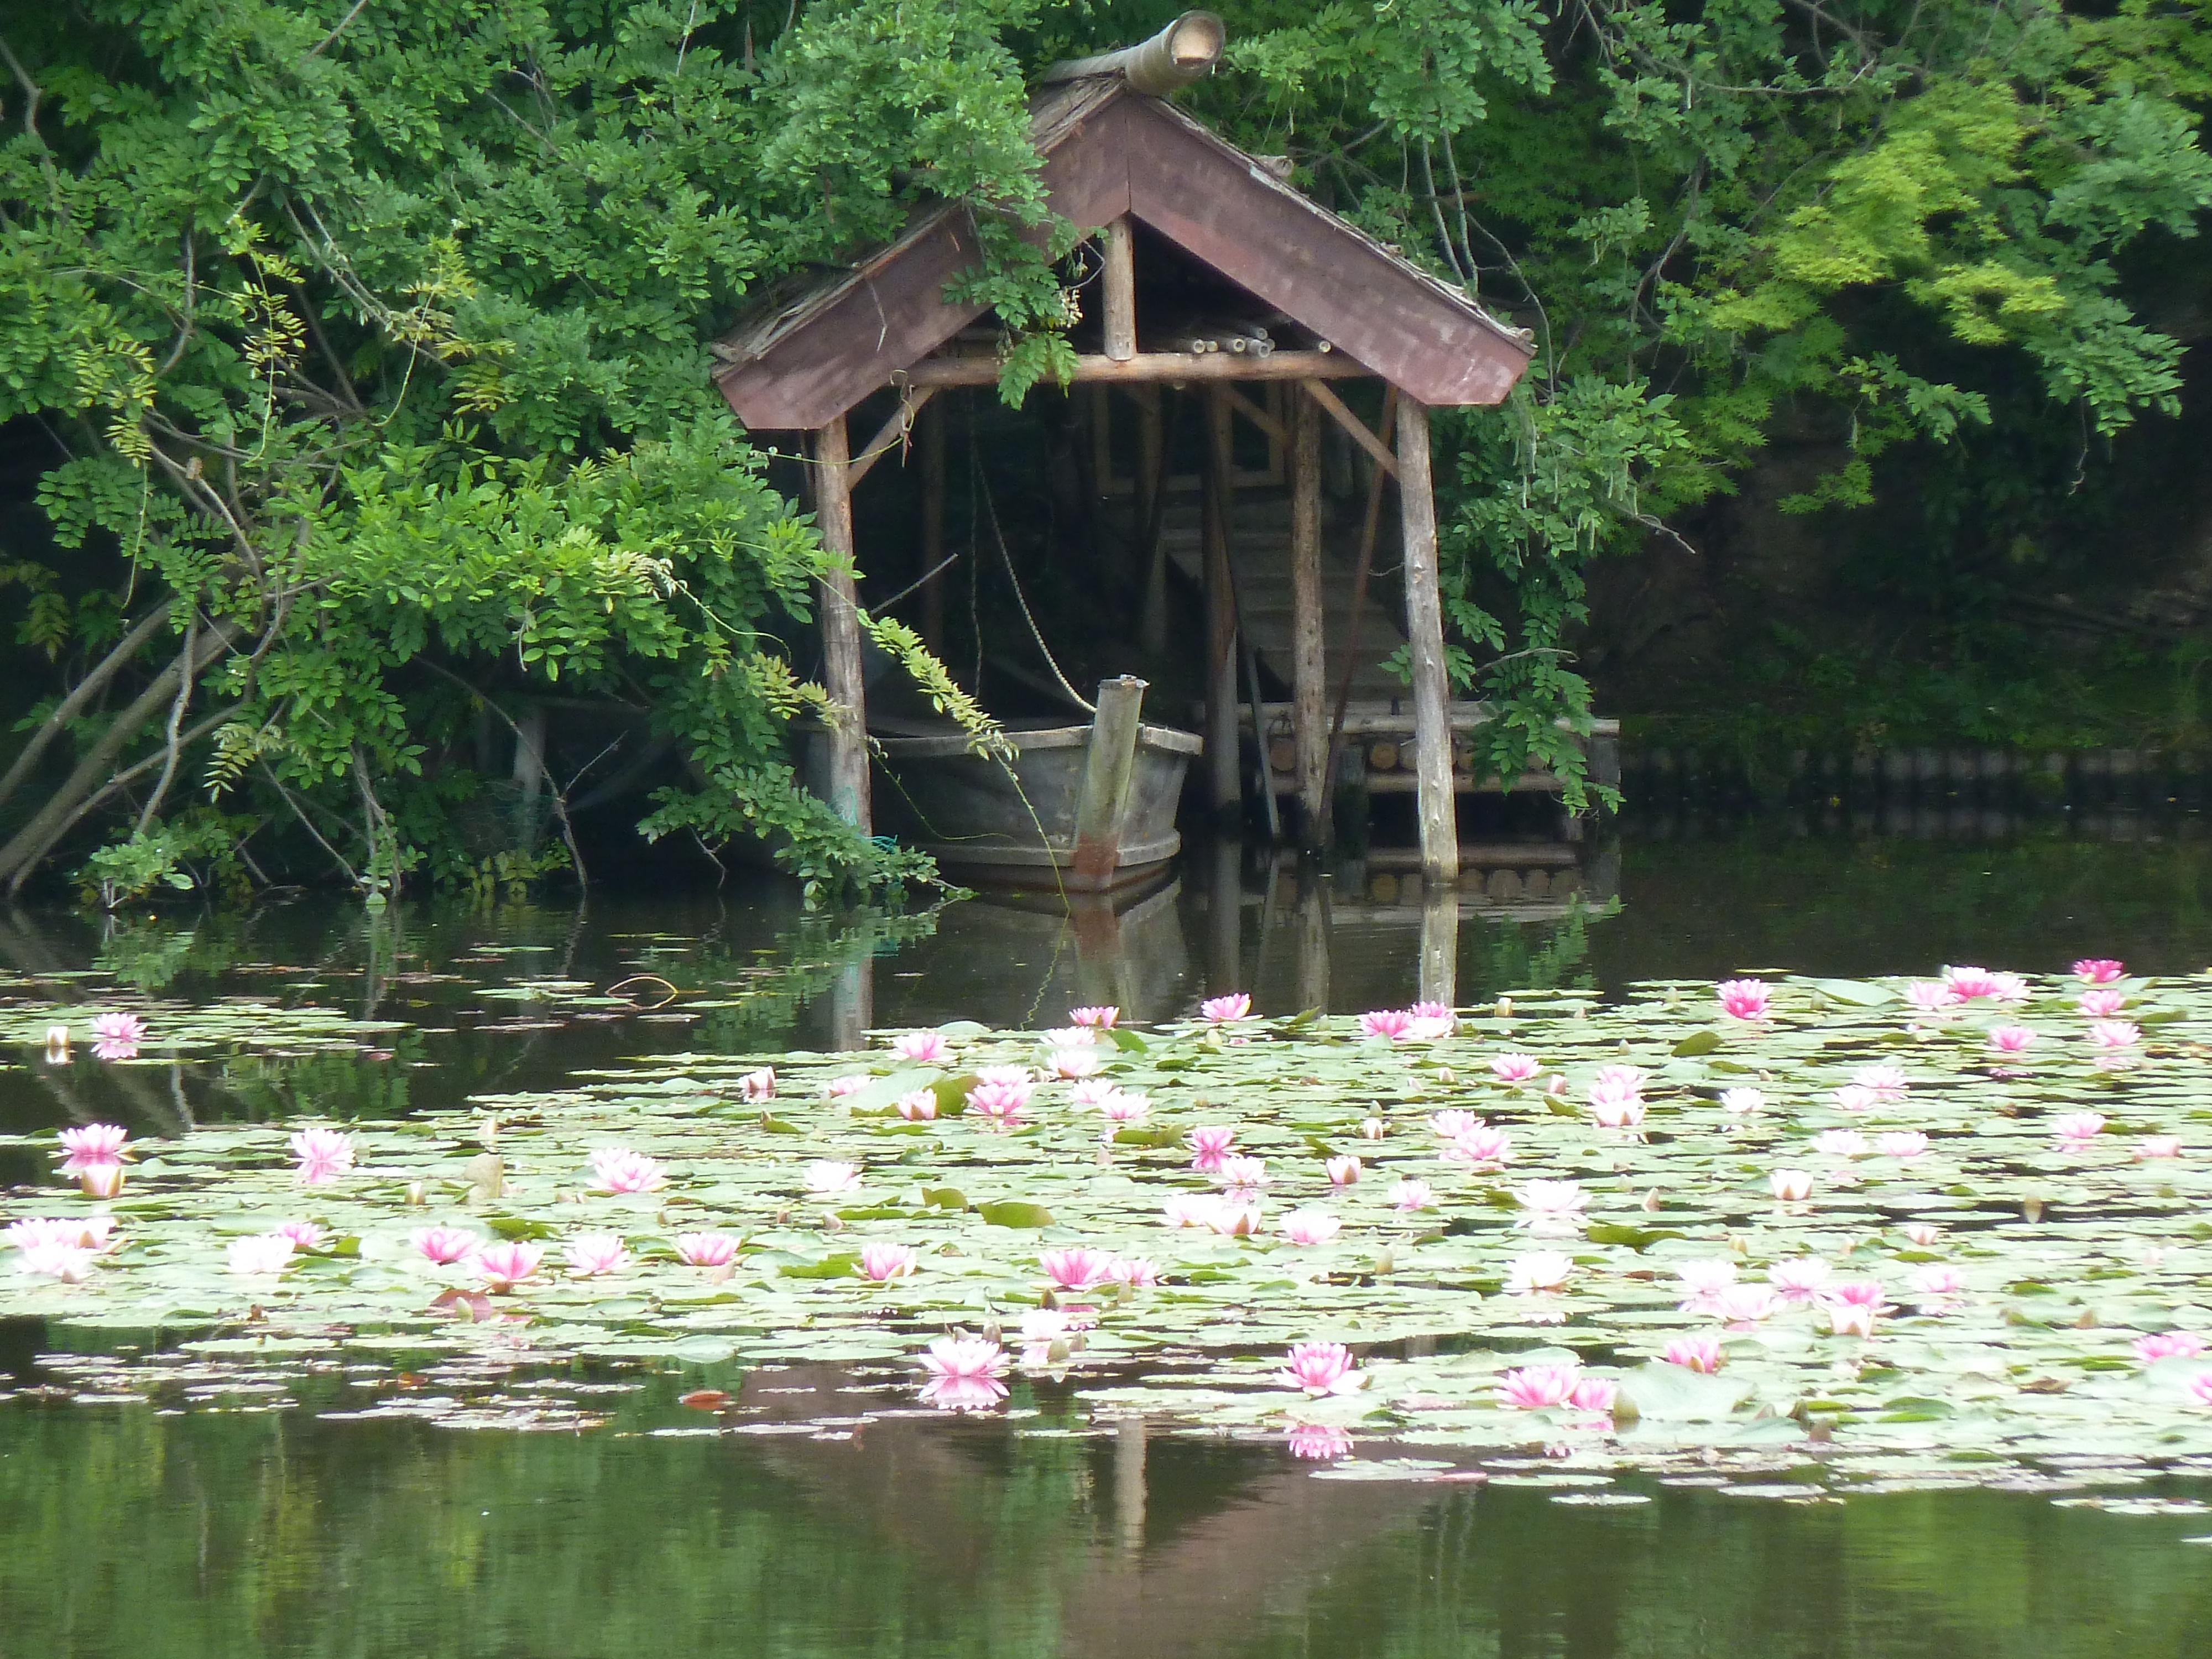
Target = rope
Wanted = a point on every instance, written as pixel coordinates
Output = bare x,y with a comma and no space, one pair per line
991,511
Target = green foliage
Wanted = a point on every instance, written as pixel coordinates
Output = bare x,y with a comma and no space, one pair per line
199,852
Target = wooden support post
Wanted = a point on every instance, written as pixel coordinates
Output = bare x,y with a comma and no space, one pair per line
1308,662
1225,772
1151,493
1121,293
1313,943
841,631
933,528
1101,802
1425,635
1439,944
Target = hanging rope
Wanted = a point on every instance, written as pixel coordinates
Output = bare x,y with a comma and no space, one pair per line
991,511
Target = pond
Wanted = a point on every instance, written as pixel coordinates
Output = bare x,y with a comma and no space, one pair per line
328,1474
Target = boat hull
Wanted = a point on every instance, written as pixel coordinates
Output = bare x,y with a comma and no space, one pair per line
1015,826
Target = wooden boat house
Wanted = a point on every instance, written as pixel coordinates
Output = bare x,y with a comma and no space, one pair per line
1329,306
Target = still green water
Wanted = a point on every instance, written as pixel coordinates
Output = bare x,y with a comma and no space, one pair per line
220,1528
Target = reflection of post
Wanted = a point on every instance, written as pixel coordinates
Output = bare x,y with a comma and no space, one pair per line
1225,902
1130,1484
1439,944
853,1001
1313,945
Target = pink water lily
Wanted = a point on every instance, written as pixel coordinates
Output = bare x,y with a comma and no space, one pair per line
260,1256
1135,1271
591,1255
851,1084
1432,1021
1700,1352
1539,1271
1209,1144
619,1169
1077,1062
2099,970
1595,1393
916,1106
706,1249
503,1266
1743,1305
1050,1336
1742,1101
323,1156
1454,1122
1791,1186
1850,1319
1321,1368
2010,1039
1077,1268
1858,1293
922,1048
1125,1108
1840,1142
69,1264
1550,1206
1000,1105
1372,1128
2115,1033
1745,999
1940,1281
2077,1128
827,1177
1801,1279
444,1246
1515,1068
2200,1388
880,1262
1240,1173
1070,1036
1616,1098
1888,1081
1484,1148
100,1179
1103,1017
1901,1143
87,1232
1978,984
1232,1220
2157,1146
2168,1345
1343,1171
1855,1098
117,1036
1932,996
1924,1234
1308,1226
1318,1442
1413,1195
1226,1011
1703,1282
94,1143
963,1373
304,1234
1390,1024
2102,1001
1536,1388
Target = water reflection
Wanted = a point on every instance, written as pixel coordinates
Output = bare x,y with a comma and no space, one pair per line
253,1534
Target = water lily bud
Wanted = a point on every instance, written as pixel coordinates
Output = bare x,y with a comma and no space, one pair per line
414,1192
1372,1128
100,1179
57,1041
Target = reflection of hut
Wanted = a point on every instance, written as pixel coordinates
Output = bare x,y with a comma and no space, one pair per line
1319,309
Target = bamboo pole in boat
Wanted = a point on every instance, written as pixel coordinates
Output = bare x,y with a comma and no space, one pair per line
1425,637
841,629
1101,802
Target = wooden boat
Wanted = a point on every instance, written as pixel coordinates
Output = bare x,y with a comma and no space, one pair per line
1088,808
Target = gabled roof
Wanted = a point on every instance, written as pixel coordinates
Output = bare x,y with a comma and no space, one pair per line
808,354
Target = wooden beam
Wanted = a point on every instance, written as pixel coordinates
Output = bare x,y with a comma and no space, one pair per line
1224,773
1259,417
1152,494
841,628
892,434
932,529
1425,637
1370,528
1309,659
1352,424
1173,366
1121,284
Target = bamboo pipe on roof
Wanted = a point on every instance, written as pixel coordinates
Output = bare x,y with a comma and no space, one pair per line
1185,50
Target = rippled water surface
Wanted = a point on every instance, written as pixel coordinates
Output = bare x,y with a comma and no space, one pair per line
812,1513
